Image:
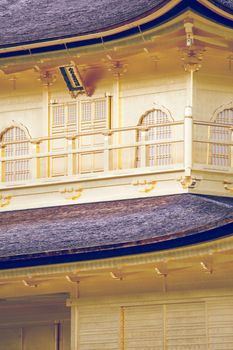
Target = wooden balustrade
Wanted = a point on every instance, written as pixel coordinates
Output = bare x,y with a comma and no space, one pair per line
72,152
213,146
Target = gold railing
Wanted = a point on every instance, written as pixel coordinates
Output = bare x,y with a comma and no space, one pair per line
213,145
106,151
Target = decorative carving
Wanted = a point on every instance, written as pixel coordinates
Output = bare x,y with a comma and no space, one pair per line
188,181
47,77
207,264
30,283
226,184
118,68
145,186
71,193
192,57
117,275
73,279
4,200
207,267
188,26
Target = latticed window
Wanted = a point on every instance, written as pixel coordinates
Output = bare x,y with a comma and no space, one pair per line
94,118
221,152
64,118
15,170
93,115
88,117
160,153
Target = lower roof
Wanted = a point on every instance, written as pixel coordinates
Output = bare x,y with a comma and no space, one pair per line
98,230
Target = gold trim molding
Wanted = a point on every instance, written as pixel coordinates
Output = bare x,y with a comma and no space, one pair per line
144,186
188,181
5,200
226,184
71,193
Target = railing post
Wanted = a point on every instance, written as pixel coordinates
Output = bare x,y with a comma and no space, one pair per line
188,140
231,148
142,148
107,136
35,165
2,165
70,156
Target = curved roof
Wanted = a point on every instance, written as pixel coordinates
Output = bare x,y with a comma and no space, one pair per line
226,5
98,230
28,21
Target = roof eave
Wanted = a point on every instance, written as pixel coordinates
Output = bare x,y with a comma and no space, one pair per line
150,20
115,250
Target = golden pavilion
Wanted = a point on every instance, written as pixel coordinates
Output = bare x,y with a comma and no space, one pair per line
116,167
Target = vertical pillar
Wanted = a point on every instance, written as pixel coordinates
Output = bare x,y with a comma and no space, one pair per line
122,328
188,142
47,77
142,148
188,119
118,69
2,165
73,304
192,57
35,165
117,122
46,116
107,136
70,156
57,335
188,125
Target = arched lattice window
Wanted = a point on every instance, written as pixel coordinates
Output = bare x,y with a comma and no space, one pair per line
19,169
220,152
159,154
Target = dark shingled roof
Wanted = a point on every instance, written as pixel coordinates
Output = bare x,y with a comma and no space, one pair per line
226,5
27,21
97,227
30,20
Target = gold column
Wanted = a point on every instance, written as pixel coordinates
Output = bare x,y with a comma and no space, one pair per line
192,57
47,77
73,304
3,164
118,68
122,328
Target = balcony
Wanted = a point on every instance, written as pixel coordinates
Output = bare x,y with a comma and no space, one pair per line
101,153
176,155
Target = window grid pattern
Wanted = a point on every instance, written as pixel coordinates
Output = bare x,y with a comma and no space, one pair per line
86,111
159,154
71,113
100,110
16,170
94,117
64,118
221,153
58,115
